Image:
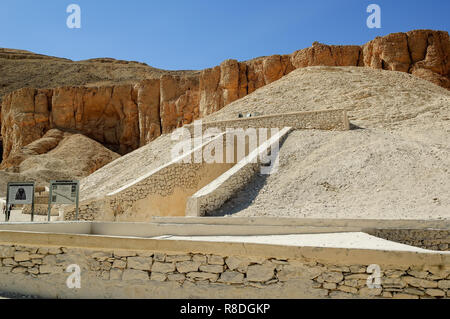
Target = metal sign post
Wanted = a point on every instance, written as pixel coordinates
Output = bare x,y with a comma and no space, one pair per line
19,193
64,192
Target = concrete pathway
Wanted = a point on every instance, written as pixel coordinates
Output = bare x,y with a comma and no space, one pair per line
354,240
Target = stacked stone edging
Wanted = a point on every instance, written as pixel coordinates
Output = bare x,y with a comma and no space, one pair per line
321,120
208,270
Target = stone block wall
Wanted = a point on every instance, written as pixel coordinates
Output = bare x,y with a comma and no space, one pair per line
164,190
171,181
208,200
434,239
320,120
161,184
181,274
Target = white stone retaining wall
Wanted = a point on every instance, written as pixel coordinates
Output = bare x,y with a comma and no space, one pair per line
320,120
40,270
215,194
163,182
167,178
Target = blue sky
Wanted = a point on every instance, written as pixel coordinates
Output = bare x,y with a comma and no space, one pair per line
196,34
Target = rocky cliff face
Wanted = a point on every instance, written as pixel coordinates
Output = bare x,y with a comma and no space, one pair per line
423,53
124,117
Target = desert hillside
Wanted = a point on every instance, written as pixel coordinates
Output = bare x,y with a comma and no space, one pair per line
21,68
57,156
393,164
374,98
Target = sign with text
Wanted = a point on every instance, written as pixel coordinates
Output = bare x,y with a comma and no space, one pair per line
65,193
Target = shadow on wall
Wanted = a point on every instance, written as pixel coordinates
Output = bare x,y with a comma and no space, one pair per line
355,127
243,198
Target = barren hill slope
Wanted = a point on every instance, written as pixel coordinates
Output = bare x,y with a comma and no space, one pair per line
374,98
21,68
127,168
70,156
396,166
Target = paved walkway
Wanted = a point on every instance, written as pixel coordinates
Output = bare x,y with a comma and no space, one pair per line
354,240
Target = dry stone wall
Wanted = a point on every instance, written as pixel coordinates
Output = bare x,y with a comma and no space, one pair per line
207,200
188,176
163,184
163,192
320,120
433,239
119,269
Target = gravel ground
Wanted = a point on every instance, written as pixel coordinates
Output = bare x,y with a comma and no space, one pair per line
357,174
17,216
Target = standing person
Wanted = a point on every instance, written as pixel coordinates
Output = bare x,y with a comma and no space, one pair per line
8,212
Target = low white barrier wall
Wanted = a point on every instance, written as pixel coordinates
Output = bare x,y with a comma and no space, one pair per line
213,195
114,267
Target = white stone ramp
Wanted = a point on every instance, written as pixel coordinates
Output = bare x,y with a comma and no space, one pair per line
351,240
216,193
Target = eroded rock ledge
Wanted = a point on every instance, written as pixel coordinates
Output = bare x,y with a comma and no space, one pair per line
125,117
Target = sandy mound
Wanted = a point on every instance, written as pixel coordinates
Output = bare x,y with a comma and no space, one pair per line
43,145
75,157
128,168
397,167
374,98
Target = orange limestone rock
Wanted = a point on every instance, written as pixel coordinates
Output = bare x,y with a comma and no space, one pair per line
125,117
